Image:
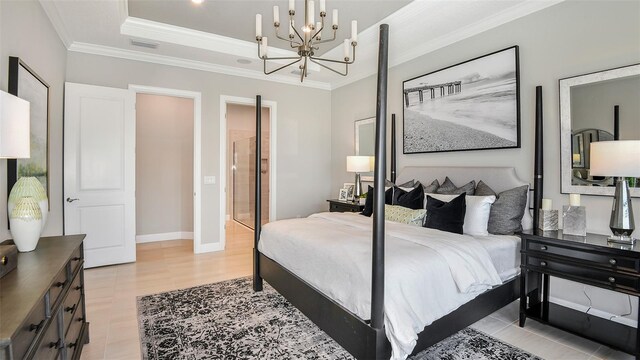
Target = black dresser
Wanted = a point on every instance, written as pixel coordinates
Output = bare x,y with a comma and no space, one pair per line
588,260
42,304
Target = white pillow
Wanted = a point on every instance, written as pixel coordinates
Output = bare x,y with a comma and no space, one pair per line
476,218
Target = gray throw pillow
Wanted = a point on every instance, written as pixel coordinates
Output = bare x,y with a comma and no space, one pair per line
431,189
449,188
408,184
483,189
506,213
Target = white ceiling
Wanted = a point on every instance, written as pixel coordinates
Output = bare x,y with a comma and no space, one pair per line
218,33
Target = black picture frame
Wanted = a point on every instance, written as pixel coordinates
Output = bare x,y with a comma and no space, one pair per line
28,85
492,88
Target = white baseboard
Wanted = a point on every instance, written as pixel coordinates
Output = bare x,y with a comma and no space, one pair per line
178,235
594,312
210,247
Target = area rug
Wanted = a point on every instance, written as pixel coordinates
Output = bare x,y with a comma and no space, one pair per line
227,320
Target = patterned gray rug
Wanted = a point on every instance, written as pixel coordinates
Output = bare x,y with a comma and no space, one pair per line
227,320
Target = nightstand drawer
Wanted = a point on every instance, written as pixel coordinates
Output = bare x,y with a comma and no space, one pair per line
600,259
584,274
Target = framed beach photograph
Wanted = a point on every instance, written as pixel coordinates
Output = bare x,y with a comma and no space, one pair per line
343,194
26,84
473,105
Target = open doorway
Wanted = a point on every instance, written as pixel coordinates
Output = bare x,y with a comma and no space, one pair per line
168,170
164,168
238,141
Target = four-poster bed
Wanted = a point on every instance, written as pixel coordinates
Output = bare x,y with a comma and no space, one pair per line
364,335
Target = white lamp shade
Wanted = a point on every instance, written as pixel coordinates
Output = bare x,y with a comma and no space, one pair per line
615,158
15,121
358,164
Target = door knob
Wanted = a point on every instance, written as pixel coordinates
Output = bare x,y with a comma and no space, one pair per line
70,200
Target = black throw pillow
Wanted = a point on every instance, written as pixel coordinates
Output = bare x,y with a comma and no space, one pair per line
413,199
446,216
368,204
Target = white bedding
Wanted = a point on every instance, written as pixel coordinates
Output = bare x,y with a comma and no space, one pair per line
428,273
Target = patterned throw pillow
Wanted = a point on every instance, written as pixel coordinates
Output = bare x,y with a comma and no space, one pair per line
404,215
449,188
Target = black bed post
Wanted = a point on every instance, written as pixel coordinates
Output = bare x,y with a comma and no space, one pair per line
616,122
393,148
257,279
539,163
377,286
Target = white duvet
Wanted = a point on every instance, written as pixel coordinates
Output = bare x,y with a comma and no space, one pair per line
428,273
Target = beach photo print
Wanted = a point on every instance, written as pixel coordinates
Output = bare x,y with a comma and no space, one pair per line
474,105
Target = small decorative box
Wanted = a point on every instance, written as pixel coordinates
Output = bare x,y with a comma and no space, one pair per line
548,220
8,259
574,220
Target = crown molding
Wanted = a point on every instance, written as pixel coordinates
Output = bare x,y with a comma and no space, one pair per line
191,64
53,14
420,49
153,30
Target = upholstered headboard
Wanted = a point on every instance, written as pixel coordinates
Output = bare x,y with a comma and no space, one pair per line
498,178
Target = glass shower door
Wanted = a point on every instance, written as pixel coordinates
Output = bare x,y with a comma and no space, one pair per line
244,154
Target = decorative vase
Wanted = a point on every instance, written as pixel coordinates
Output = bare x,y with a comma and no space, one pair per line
26,223
31,187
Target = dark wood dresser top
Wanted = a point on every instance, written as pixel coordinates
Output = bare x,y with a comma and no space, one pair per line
23,287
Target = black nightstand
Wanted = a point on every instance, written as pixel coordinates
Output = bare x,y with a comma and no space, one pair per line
344,206
588,260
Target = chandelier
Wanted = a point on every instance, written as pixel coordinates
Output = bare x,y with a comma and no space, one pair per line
307,42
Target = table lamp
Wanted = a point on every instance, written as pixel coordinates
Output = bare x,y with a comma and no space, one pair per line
358,164
618,159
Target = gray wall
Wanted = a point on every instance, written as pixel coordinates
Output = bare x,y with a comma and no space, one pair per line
568,39
164,164
303,128
25,32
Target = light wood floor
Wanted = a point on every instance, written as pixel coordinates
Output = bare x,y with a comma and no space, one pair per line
111,300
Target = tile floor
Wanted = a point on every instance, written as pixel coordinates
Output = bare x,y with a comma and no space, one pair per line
162,266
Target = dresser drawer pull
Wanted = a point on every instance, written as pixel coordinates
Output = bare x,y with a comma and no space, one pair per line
36,328
612,279
81,319
72,345
4,260
612,261
60,284
543,263
57,344
543,247
77,258
79,287
70,308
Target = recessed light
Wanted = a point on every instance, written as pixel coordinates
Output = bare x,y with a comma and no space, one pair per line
244,61
197,2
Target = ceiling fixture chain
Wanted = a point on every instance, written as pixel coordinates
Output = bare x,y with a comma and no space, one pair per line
307,42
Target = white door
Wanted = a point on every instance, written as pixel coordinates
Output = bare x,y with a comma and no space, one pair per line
99,171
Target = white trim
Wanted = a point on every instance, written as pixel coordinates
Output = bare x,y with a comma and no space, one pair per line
51,9
198,246
153,30
191,64
178,235
594,311
407,15
273,119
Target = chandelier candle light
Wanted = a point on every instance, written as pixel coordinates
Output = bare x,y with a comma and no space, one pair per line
307,42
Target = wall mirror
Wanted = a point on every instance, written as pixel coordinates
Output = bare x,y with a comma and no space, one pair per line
365,135
587,108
